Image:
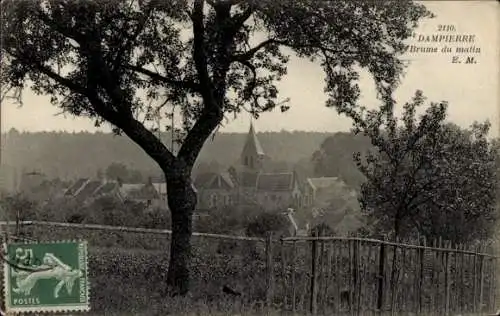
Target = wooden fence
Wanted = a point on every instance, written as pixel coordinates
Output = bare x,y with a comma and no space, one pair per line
364,275
336,275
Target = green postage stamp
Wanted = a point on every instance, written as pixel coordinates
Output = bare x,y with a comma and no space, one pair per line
46,277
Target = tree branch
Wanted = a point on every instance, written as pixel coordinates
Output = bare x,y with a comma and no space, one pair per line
140,26
238,20
130,126
107,113
253,83
183,84
199,133
233,2
58,27
200,58
212,113
243,16
138,133
90,45
251,52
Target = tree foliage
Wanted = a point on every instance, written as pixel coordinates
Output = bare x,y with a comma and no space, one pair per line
17,207
120,172
428,176
334,158
322,229
113,60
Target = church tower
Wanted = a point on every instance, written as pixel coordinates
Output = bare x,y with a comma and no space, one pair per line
252,155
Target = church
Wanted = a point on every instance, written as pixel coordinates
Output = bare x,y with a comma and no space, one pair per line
247,183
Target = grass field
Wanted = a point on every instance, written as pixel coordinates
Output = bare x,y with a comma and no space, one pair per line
126,270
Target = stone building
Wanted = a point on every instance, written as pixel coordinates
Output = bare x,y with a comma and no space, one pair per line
247,183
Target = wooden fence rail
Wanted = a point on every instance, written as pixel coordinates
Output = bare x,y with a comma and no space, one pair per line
328,275
379,276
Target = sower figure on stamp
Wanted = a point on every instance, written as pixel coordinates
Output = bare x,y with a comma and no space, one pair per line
51,267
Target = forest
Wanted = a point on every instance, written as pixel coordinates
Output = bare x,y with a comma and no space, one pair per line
71,155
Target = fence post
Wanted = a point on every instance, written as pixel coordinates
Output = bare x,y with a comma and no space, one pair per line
438,303
447,280
495,284
269,269
284,272
314,277
381,277
491,276
421,276
394,275
461,293
294,258
357,275
474,284
339,257
481,282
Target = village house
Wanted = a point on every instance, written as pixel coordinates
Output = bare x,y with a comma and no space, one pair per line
85,190
318,189
215,190
246,183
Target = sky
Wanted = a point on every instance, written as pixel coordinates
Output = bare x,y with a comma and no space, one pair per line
472,90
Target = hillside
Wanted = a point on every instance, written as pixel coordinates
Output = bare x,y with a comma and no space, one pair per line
71,155
67,155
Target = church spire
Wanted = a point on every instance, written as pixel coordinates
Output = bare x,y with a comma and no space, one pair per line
252,153
252,143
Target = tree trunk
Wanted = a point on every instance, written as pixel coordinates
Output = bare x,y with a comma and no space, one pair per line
182,202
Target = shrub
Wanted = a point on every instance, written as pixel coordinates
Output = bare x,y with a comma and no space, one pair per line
267,223
322,229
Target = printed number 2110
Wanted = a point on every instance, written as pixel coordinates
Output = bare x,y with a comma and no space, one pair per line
446,28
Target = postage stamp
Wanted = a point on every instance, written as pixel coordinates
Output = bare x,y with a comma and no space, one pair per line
46,277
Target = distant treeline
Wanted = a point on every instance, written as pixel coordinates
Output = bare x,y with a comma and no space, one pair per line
70,155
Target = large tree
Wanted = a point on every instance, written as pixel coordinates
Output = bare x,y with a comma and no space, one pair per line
427,175
123,62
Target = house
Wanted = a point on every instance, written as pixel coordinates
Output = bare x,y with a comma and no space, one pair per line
318,189
247,183
271,190
329,200
215,190
85,190
142,193
161,188
111,188
277,190
73,189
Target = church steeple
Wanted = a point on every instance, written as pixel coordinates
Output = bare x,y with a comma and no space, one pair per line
252,153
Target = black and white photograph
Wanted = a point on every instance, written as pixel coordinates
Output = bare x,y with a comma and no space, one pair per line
249,157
